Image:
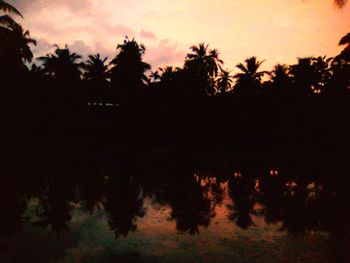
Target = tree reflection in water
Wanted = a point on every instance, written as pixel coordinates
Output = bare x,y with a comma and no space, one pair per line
297,197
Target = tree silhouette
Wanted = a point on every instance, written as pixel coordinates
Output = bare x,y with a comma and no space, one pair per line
224,81
311,75
202,65
280,81
95,68
96,76
168,74
15,48
322,69
128,70
203,60
7,8
340,81
280,74
304,79
154,76
62,65
6,20
249,81
345,41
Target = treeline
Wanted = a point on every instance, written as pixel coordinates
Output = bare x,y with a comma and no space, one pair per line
127,76
59,100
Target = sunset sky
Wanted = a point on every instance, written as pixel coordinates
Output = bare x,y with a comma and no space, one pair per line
273,30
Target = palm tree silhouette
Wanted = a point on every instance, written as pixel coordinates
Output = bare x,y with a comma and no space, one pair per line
62,64
250,70
128,72
129,60
249,81
280,73
95,68
345,41
15,49
7,8
203,60
224,81
303,77
96,78
6,20
280,80
168,74
154,77
310,75
322,68
202,67
340,68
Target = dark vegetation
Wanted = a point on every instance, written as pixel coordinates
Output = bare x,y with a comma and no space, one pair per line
65,120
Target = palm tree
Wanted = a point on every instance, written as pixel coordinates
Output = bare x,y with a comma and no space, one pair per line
168,74
302,76
249,80
341,68
15,48
202,67
7,8
154,76
95,75
62,65
224,81
250,69
95,69
323,74
280,79
128,72
311,75
203,60
280,73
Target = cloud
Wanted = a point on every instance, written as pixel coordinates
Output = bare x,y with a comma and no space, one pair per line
114,29
165,53
81,48
103,50
85,50
147,35
42,47
26,6
269,29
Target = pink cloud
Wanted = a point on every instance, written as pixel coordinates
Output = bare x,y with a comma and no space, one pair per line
29,6
147,35
111,29
42,47
81,48
165,53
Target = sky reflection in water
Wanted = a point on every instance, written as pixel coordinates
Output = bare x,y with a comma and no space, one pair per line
220,220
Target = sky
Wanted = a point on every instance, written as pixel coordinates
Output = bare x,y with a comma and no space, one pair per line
273,30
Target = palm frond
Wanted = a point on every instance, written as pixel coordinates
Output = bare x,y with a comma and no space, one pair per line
340,3
6,7
8,21
345,40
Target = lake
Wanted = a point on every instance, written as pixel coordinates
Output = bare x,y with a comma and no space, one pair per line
170,209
